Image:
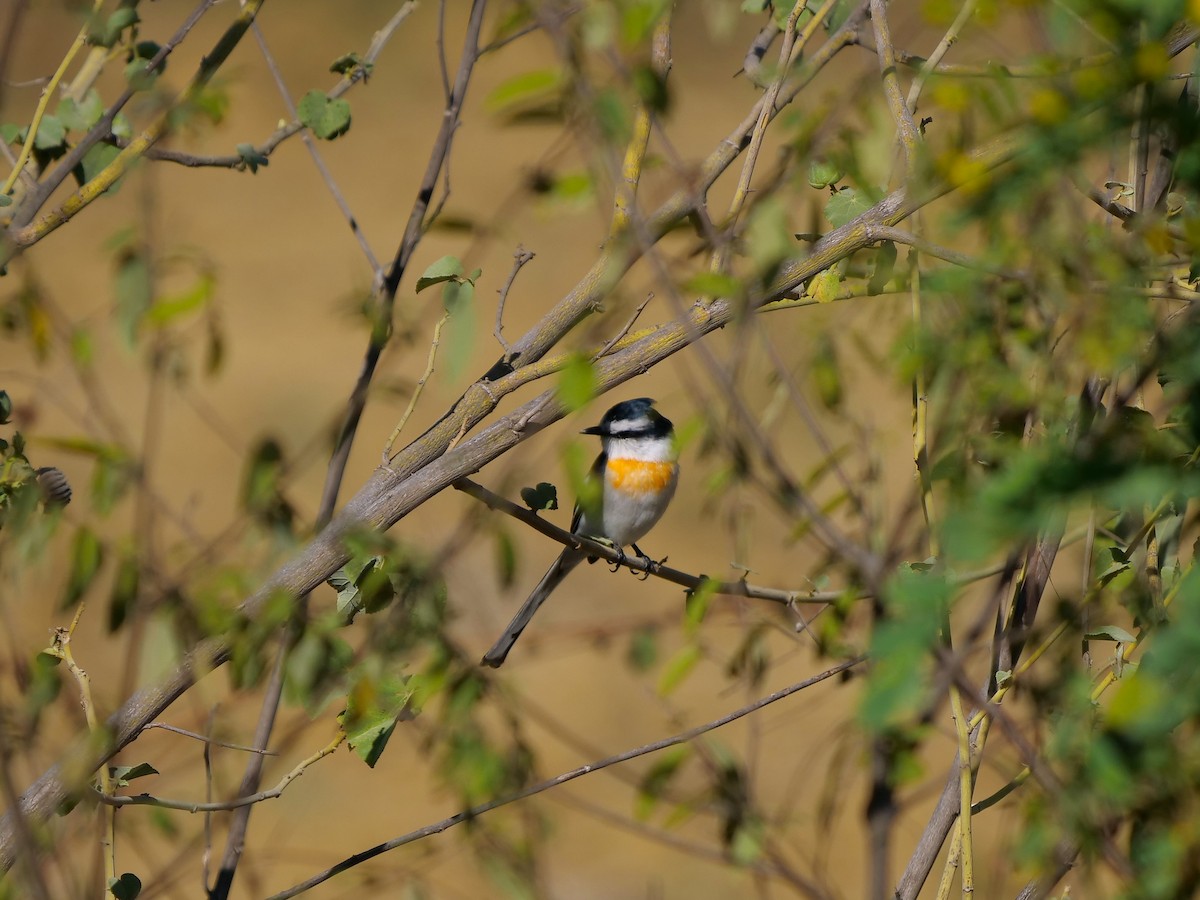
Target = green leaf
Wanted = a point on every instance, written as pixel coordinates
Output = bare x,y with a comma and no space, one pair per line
900,646
678,668
1110,633
697,604
643,649
543,495
126,887
506,558
577,382
11,132
768,237
826,372
529,89
262,493
368,583
122,127
658,779
94,161
51,133
133,293
87,554
328,119
122,775
613,115
122,18
823,287
458,297
885,265
372,709
148,50
746,845
651,89
251,157
824,174
139,76
168,309
5,200
845,206
45,684
714,284
124,591
445,269
347,63
82,115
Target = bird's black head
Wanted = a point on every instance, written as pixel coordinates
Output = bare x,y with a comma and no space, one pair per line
633,419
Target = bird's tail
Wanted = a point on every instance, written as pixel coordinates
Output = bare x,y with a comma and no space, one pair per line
566,561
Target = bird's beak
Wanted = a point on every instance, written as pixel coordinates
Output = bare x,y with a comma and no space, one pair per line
595,429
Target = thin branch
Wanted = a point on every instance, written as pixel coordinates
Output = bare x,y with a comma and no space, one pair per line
210,740
900,236
789,52
949,39
906,129
419,388
224,805
624,330
294,127
322,169
637,564
635,151
478,810
520,258
60,647
408,244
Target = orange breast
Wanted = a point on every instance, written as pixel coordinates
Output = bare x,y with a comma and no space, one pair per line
638,475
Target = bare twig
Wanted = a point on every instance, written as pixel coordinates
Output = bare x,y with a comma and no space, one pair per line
310,145
225,805
949,39
476,811
210,740
420,386
520,258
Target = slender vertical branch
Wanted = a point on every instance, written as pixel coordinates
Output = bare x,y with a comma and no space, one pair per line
635,150
949,39
520,258
793,45
906,127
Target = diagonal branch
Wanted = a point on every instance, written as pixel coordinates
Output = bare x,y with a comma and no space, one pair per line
533,789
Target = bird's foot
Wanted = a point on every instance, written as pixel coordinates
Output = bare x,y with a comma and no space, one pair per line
651,566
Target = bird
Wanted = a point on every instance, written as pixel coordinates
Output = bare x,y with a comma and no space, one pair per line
635,473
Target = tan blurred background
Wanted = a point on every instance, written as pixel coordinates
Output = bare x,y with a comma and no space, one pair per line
289,279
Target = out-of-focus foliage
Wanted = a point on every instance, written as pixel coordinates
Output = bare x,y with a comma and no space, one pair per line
971,432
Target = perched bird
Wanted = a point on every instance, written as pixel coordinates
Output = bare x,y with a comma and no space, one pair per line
636,472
